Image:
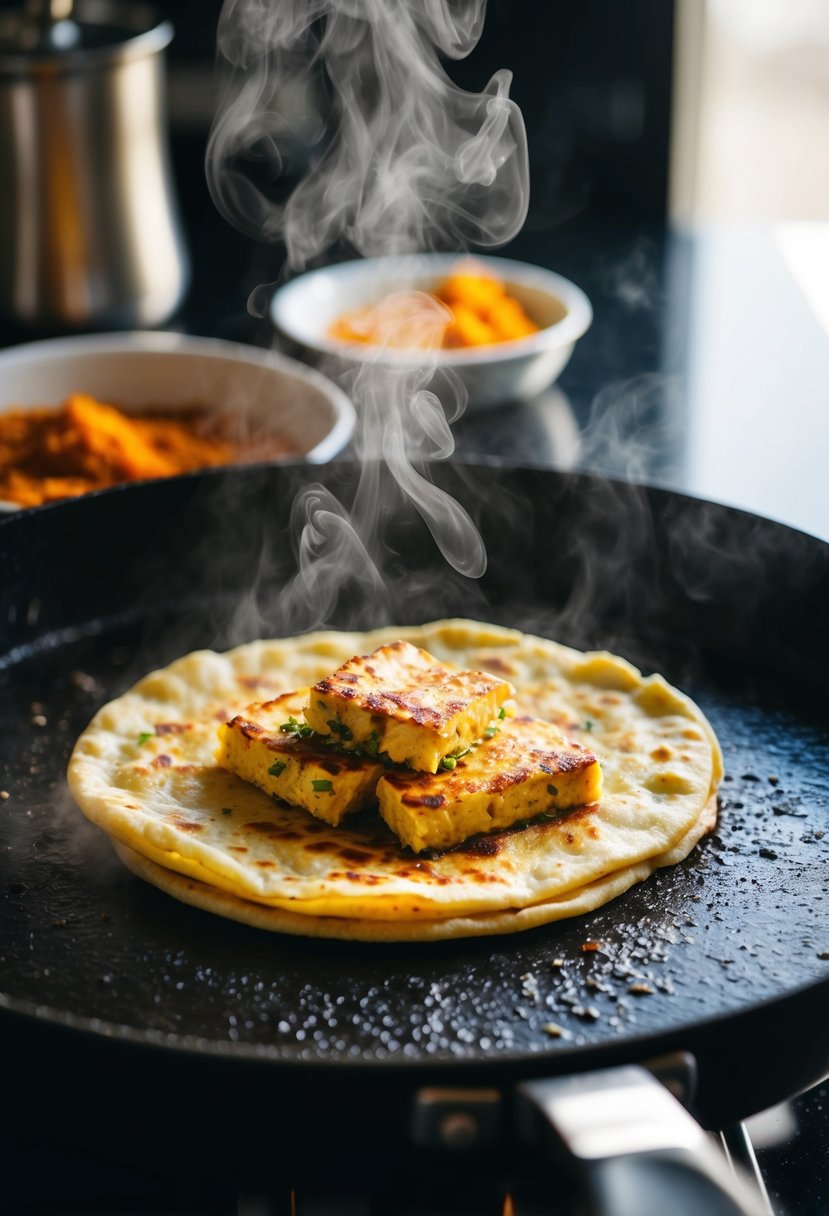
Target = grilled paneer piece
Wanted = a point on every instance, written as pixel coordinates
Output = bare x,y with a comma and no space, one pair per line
525,769
401,702
300,771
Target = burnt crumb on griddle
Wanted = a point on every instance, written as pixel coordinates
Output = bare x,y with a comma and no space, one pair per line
4,795
587,1013
769,854
86,683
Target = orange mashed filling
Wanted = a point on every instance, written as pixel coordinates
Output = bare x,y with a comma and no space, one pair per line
59,452
465,310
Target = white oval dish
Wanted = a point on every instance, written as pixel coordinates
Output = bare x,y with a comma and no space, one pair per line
155,369
304,310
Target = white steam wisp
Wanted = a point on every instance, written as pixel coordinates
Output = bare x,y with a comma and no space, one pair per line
349,100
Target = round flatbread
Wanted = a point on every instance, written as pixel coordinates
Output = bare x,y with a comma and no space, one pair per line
144,770
199,893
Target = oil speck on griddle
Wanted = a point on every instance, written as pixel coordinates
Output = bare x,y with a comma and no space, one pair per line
637,963
591,985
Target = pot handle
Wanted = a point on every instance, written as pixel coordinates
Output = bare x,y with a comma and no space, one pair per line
640,1150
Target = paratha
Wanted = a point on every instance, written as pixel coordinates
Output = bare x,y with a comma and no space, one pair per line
201,894
144,771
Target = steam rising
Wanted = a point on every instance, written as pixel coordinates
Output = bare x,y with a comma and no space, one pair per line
403,161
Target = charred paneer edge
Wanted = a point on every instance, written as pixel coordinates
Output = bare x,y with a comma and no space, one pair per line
527,768
270,745
402,703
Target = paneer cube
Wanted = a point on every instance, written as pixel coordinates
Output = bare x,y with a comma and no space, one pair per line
526,769
404,704
291,763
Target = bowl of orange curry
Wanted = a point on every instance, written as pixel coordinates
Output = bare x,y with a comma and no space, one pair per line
85,413
504,329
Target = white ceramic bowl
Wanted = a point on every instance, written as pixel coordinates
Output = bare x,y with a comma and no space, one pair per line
144,369
304,309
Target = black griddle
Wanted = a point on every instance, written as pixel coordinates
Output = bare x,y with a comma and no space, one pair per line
724,958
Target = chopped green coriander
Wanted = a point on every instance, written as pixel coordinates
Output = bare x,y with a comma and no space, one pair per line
552,789
452,759
491,731
323,786
227,810
588,723
277,767
144,736
339,728
502,713
372,744
301,729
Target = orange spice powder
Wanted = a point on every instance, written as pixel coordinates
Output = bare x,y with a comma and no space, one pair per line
467,310
53,453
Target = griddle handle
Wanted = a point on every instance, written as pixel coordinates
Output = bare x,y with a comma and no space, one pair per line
636,1145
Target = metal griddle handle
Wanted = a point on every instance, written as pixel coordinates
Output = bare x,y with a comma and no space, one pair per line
639,1149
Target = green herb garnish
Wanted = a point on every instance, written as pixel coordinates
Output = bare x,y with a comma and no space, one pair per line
144,736
502,713
339,728
227,810
452,759
491,731
277,767
372,744
551,789
301,729
323,786
588,724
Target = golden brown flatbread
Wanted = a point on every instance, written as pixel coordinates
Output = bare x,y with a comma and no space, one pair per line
144,770
201,894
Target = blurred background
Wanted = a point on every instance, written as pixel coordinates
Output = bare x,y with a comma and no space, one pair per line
699,109
679,174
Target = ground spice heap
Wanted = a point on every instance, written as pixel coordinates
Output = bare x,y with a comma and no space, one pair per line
59,452
465,310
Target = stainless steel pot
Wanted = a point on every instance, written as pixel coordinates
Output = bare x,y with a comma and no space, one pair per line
89,228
